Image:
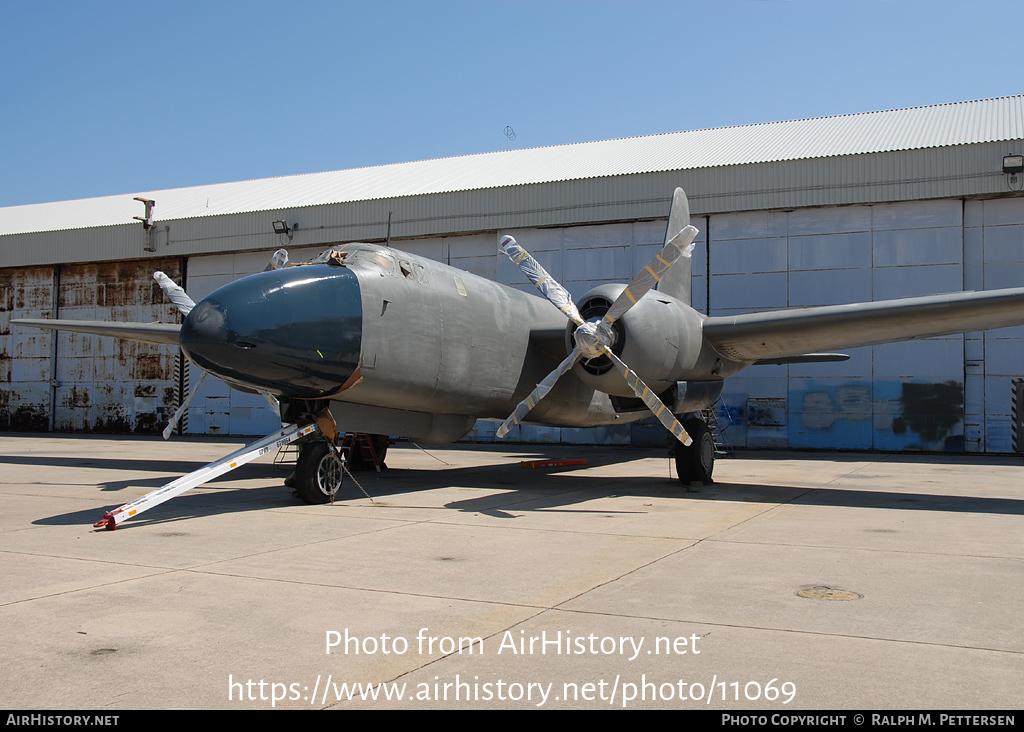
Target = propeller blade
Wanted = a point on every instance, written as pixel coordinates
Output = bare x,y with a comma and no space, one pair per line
645,280
663,413
181,409
594,338
541,390
278,260
272,400
539,276
175,293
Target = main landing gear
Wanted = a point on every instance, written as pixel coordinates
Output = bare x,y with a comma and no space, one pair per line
696,462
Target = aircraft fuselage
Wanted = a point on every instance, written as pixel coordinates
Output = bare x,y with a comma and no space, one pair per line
400,344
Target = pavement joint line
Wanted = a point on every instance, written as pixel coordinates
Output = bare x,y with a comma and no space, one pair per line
208,572
786,505
63,557
217,561
275,550
308,583
164,568
629,572
557,609
84,589
771,509
929,553
540,608
573,531
738,626
432,661
680,550
460,524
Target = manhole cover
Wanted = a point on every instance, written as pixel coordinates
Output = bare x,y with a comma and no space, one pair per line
820,592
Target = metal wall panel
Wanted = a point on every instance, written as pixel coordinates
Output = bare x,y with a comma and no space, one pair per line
106,384
910,395
1002,242
974,343
79,382
700,267
830,263
25,392
473,253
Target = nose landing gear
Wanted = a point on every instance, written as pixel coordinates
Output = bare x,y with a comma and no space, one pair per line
319,472
321,467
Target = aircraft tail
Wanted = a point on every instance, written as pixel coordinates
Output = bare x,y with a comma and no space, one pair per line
676,282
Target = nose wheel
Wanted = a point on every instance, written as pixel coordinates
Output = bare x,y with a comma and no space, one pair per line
318,473
695,463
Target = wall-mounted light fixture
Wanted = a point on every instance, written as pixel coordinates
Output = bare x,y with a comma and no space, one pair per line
281,227
1013,166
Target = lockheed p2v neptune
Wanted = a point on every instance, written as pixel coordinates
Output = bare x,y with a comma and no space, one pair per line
369,339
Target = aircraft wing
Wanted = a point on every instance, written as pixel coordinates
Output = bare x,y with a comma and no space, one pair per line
783,333
144,332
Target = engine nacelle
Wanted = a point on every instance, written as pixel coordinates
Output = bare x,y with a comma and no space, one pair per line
659,338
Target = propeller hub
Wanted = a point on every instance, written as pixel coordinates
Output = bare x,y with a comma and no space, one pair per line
593,337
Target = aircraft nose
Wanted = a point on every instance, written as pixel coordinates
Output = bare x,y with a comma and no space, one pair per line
206,325
294,332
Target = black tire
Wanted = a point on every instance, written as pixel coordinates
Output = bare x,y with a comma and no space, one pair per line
696,463
318,473
355,455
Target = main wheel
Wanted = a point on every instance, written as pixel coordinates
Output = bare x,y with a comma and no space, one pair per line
318,473
695,463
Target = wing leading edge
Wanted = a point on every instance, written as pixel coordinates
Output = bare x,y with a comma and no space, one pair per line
143,332
783,333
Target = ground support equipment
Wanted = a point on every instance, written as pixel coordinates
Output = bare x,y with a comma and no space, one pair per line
284,436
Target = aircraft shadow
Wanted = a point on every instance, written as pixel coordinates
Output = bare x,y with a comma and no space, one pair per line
147,465
511,490
177,468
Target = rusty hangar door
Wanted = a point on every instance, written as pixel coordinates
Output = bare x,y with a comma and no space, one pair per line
84,383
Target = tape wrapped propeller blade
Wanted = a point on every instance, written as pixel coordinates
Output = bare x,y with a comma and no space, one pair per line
175,293
650,399
595,338
524,407
645,280
539,276
278,260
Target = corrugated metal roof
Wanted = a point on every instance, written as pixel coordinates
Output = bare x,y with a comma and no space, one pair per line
960,123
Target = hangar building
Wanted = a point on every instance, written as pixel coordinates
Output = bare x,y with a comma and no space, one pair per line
797,213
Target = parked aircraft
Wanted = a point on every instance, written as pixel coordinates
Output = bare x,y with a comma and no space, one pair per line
392,343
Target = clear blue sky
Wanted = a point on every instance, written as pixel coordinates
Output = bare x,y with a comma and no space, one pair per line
105,98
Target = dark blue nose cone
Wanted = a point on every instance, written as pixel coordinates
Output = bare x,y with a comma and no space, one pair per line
294,332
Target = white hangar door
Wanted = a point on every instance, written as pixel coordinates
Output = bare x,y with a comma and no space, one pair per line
902,396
